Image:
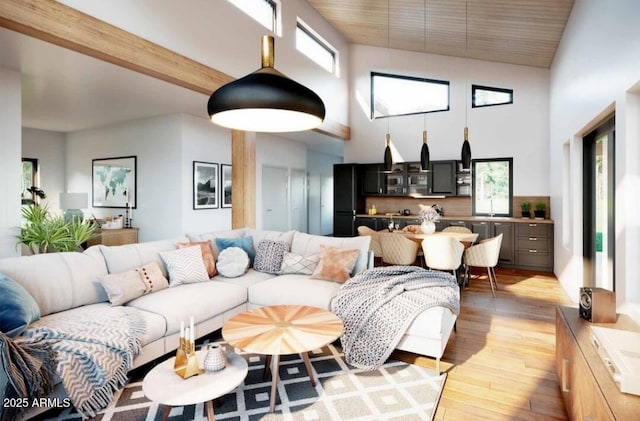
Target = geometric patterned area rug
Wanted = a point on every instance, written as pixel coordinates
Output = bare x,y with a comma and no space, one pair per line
396,391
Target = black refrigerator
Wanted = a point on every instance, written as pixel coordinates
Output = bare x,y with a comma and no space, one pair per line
346,200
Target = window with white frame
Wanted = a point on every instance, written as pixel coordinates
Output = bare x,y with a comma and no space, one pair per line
266,12
393,95
312,45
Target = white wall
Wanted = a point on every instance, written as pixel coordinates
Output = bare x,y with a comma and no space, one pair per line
218,34
157,144
520,130
203,141
596,65
10,160
49,149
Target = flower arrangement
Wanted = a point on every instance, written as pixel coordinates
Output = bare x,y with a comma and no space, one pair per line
429,213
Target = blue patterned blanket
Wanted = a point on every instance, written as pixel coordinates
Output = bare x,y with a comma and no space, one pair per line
95,350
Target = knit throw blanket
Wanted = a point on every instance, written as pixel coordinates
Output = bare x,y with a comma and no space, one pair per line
95,350
378,305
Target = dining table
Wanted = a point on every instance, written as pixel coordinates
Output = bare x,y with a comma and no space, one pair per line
467,239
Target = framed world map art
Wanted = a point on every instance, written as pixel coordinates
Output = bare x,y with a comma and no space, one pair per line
114,182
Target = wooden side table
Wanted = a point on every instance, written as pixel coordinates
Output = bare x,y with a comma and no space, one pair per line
114,237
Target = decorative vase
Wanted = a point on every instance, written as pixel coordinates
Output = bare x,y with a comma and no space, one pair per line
215,359
428,227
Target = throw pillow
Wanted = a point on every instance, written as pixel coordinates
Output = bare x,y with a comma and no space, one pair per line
123,287
185,266
245,243
207,255
269,255
152,277
18,309
295,263
335,264
233,262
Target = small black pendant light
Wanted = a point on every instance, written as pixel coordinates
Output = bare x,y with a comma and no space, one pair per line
388,159
466,150
424,153
266,100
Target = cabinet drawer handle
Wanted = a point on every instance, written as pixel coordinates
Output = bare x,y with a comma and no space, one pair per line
533,225
565,375
533,238
533,251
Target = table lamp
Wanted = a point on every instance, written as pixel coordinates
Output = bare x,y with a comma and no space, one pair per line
71,204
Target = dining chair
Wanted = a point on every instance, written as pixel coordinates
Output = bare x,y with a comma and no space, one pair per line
374,245
443,253
484,254
456,228
397,249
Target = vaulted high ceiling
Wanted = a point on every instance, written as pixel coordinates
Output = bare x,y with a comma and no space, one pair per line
523,32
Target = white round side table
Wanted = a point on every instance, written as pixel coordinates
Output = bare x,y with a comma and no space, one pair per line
164,386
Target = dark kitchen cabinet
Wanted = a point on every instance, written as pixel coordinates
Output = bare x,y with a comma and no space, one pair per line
443,177
346,199
367,222
482,228
395,181
417,182
372,179
507,229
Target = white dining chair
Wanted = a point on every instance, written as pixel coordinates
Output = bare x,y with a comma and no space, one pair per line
374,244
456,228
443,253
484,254
397,249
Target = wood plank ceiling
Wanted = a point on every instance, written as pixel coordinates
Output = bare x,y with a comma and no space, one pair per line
525,32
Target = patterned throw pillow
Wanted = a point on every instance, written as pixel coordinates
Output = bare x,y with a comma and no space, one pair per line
335,264
185,266
269,255
233,262
207,255
153,278
295,263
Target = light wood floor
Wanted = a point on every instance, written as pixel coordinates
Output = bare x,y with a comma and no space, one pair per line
501,360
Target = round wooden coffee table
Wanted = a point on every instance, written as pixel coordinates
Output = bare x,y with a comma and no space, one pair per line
282,330
164,386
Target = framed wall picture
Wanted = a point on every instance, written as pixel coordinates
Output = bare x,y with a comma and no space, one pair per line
114,182
225,186
205,185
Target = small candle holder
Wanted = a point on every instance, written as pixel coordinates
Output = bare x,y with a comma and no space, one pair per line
186,363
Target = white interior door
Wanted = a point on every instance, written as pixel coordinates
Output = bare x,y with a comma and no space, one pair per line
298,200
314,206
275,186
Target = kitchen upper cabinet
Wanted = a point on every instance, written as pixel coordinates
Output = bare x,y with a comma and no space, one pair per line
395,181
443,177
417,180
372,179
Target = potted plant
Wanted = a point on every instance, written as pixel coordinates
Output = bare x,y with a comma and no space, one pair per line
540,209
43,233
526,209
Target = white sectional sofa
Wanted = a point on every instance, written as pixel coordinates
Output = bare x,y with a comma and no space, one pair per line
69,283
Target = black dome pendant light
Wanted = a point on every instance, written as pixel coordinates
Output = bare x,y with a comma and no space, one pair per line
266,100
466,148
424,151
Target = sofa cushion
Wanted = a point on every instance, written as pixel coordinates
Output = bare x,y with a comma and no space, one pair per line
59,281
250,277
233,262
245,243
122,287
153,278
259,235
185,266
18,309
296,263
211,236
295,290
202,300
207,255
269,255
131,256
306,244
335,264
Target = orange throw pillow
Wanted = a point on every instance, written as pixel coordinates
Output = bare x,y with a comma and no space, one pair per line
335,264
207,255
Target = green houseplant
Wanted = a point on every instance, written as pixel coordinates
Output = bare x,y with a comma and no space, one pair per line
540,209
44,233
526,209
